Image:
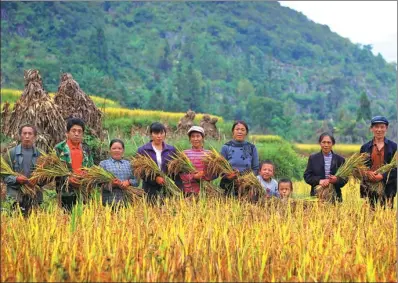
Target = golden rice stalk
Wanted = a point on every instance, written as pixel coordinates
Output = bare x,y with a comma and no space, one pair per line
249,186
5,170
216,164
145,168
49,167
210,190
355,162
133,194
379,186
96,175
180,163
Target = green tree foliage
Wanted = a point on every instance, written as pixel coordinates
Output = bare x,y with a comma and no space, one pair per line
236,59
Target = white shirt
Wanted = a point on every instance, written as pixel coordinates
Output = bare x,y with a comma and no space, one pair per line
158,157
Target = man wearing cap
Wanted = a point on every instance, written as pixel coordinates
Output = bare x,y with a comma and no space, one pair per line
381,151
191,181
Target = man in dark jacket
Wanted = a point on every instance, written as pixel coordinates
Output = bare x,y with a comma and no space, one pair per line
22,159
381,151
322,167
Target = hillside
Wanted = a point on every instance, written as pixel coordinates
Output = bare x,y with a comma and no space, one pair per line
257,61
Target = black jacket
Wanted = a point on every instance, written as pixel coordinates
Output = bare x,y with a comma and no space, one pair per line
315,171
390,148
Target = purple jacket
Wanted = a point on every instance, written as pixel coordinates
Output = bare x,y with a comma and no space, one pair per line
167,151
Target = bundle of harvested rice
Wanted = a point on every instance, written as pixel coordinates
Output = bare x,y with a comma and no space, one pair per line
36,107
6,170
145,168
352,166
74,102
379,187
249,187
216,164
180,163
96,175
49,167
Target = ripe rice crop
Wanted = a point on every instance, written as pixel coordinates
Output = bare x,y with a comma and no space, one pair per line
12,95
343,149
204,240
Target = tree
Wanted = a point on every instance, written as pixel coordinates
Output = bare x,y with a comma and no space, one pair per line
364,111
157,101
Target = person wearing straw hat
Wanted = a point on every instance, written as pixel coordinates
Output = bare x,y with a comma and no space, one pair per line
22,159
381,151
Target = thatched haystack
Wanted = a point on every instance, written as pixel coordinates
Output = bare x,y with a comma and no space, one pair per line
209,125
36,107
74,102
186,122
5,117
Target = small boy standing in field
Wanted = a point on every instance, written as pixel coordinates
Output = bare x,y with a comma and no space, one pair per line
285,188
269,184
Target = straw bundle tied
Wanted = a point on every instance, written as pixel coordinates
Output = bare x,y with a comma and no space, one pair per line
49,167
145,168
180,163
352,167
6,170
96,175
74,102
216,164
249,186
36,107
379,187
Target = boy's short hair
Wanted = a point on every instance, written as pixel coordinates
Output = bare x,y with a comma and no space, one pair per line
286,180
267,161
72,121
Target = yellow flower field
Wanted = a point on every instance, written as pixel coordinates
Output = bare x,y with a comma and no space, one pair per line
211,240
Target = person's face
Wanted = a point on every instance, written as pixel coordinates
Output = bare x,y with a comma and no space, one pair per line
159,137
267,171
196,140
379,130
117,151
75,134
239,133
285,190
326,144
28,137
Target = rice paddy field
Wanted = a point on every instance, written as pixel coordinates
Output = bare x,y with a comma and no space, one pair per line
342,149
206,240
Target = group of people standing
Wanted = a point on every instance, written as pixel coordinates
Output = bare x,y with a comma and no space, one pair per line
241,154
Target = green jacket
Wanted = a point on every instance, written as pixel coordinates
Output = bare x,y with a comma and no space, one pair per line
63,152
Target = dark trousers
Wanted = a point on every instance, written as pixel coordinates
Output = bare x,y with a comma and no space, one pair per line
68,202
384,201
229,187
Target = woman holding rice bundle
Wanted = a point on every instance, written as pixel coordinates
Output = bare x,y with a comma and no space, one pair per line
322,166
160,153
241,154
191,181
121,168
